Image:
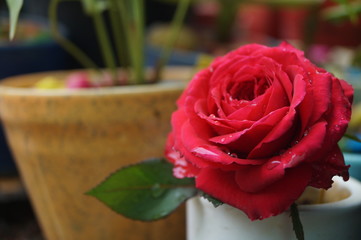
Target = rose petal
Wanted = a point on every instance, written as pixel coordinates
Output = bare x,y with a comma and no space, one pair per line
270,202
331,165
282,132
182,168
254,179
202,154
245,140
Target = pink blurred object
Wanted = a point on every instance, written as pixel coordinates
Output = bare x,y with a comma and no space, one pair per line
103,80
319,54
78,80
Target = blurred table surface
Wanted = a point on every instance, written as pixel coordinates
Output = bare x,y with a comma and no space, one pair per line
17,219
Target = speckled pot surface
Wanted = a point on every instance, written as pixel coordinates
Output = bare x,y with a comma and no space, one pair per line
67,141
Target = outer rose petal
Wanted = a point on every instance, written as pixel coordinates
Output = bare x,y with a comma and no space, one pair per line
348,90
182,168
332,165
269,202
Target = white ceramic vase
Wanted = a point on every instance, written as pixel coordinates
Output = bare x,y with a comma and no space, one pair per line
328,221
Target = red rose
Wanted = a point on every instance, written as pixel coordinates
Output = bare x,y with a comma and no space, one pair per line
258,126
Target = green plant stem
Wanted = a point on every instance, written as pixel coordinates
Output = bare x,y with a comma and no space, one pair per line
310,27
226,19
71,48
118,34
176,26
296,221
132,38
138,13
105,43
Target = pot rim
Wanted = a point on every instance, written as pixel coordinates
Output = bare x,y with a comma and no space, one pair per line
175,80
352,201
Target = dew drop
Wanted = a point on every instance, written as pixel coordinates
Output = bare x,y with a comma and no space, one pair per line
226,150
234,155
271,165
157,191
212,116
201,151
305,133
223,140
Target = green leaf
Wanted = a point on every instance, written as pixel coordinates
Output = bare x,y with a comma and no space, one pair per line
14,9
344,9
146,191
214,201
296,221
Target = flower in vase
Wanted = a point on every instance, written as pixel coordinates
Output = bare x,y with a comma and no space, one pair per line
258,126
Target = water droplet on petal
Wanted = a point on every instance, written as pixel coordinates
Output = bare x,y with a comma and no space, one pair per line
234,155
305,133
225,150
201,151
271,165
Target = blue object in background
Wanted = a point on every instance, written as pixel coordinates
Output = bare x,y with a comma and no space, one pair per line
354,159
18,59
176,58
349,145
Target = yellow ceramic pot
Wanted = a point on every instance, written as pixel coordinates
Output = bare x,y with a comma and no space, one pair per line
67,141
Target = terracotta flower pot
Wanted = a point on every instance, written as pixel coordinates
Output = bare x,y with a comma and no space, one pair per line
339,218
66,142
